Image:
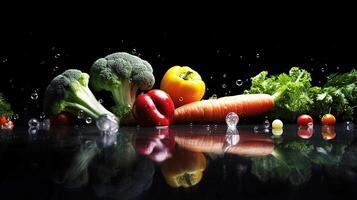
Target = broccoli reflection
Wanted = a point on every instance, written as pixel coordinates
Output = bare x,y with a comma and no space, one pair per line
108,165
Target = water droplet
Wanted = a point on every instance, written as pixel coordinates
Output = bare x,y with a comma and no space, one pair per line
133,51
33,130
33,122
42,115
266,124
266,130
100,101
211,77
214,96
229,92
15,116
181,99
55,68
34,96
239,82
232,119
322,69
224,75
80,114
88,120
349,126
224,86
57,55
255,129
337,67
4,60
257,55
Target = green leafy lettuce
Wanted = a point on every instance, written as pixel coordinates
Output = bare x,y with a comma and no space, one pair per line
294,94
5,107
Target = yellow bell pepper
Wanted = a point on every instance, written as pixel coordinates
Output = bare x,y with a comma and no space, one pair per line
184,168
183,84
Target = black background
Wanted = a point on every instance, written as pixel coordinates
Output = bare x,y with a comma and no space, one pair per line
221,52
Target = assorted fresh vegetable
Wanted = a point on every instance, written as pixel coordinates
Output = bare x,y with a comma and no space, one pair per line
298,96
5,114
328,119
69,92
303,120
183,84
215,110
284,96
122,74
155,108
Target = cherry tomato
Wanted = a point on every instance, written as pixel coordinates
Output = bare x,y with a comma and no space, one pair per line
328,119
304,120
3,120
60,119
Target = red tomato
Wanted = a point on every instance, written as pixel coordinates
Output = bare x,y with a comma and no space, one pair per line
304,120
60,119
328,119
154,108
3,120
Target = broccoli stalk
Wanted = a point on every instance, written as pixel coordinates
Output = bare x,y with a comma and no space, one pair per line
69,92
122,74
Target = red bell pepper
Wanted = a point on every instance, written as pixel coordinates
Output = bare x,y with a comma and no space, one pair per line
155,108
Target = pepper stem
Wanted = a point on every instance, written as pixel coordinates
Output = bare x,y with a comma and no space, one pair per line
187,75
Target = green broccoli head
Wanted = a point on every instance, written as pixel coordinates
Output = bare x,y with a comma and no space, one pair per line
69,92
122,74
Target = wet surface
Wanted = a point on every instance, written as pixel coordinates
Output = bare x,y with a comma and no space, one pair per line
179,162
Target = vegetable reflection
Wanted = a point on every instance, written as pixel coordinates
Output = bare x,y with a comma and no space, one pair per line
184,168
294,160
108,164
196,139
155,143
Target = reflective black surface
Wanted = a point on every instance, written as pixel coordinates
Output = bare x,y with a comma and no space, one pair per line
180,162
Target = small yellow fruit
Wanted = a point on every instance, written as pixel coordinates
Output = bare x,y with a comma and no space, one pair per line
277,124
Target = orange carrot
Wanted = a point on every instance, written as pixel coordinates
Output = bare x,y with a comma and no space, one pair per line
215,110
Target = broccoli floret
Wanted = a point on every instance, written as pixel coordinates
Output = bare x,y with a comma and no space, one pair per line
122,74
69,92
